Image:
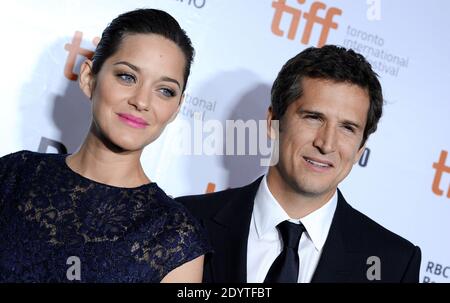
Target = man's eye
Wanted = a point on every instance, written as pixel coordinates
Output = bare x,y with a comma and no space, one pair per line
349,128
312,117
167,92
127,78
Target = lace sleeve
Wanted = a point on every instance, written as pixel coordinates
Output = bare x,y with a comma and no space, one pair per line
8,174
185,241
3,161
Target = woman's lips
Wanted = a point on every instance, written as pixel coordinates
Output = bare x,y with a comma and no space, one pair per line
133,121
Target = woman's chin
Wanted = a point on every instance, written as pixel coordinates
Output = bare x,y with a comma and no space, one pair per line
126,145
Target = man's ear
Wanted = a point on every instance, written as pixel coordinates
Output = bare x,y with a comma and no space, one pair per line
271,131
178,109
87,79
359,154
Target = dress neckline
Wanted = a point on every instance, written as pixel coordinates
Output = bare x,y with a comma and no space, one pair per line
66,167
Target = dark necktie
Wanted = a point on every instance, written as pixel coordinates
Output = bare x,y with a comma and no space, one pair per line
285,267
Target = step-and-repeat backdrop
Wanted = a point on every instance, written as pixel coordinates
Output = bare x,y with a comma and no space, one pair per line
403,178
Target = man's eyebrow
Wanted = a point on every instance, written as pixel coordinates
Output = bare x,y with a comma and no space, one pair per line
133,67
310,112
321,115
351,123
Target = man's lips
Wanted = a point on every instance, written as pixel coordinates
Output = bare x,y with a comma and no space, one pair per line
318,162
133,120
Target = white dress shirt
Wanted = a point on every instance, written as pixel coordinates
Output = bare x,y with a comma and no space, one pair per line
265,242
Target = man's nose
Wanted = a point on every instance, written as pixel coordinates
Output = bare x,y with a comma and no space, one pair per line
325,139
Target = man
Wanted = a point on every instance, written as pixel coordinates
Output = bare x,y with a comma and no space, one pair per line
293,224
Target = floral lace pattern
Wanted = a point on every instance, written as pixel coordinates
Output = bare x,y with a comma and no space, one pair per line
49,213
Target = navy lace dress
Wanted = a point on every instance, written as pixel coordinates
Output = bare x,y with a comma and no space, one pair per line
52,219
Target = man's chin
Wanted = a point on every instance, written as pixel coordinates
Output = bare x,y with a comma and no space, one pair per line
312,190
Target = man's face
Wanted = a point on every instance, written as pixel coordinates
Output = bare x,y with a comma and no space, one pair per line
320,136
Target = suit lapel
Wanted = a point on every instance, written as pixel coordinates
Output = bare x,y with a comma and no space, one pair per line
235,219
336,263
232,222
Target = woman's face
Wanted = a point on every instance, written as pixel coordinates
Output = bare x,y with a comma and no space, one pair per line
137,91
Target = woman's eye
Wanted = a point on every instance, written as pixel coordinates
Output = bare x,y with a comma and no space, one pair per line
167,92
127,78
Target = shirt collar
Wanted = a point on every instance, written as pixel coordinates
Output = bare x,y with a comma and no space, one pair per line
268,213
318,222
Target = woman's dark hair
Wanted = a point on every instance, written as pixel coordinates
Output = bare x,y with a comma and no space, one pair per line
142,21
333,63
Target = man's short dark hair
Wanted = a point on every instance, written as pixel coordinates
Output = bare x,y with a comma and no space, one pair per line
333,63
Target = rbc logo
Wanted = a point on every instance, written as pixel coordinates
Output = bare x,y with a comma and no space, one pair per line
310,19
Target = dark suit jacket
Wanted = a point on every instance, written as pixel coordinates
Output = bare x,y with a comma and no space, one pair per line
352,239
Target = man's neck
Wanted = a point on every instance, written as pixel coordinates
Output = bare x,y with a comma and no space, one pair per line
295,203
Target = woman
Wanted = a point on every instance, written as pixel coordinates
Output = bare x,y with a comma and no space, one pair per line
94,216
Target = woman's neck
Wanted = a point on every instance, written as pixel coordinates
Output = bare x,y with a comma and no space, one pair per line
95,161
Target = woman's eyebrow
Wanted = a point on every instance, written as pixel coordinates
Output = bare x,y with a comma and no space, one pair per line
137,69
164,78
132,66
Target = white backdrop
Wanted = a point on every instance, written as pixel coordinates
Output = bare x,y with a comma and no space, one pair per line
238,55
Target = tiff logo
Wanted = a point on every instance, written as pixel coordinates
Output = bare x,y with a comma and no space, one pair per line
74,50
311,18
440,168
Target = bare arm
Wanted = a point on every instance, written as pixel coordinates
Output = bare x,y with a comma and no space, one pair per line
189,272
